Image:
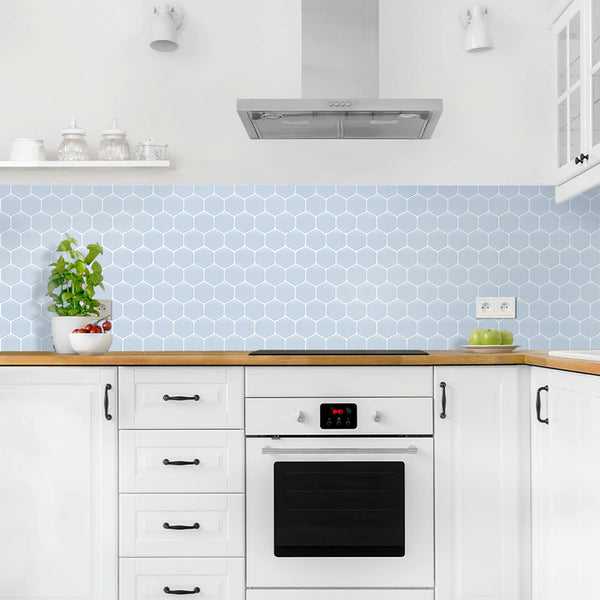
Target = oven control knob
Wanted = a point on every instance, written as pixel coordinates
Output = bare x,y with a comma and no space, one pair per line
377,416
300,416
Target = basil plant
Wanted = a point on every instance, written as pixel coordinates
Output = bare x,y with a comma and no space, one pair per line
73,280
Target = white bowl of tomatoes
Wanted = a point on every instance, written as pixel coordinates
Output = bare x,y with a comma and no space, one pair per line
92,339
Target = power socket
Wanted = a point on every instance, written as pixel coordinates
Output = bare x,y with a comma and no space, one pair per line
486,308
495,308
507,308
105,308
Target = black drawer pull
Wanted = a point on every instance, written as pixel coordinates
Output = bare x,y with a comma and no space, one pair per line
538,404
168,590
181,527
180,463
443,413
195,398
107,416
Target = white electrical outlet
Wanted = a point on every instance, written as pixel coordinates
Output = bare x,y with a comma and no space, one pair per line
495,308
507,308
105,308
486,308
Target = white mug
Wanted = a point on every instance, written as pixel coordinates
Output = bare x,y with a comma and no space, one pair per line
27,150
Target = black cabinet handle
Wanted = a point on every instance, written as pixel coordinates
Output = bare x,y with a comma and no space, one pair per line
443,413
106,415
181,463
181,527
538,404
195,398
168,590
579,159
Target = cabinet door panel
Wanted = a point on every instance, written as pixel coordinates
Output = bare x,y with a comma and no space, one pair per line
565,486
482,484
57,484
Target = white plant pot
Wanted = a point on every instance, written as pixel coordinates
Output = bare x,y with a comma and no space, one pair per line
62,327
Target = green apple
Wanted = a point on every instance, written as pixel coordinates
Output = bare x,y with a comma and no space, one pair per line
475,337
507,337
491,337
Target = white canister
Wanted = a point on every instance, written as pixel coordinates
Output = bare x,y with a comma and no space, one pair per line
62,327
27,150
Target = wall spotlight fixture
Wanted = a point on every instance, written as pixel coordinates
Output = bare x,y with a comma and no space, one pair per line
475,21
166,24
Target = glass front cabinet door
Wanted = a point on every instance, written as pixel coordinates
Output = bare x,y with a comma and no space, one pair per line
577,95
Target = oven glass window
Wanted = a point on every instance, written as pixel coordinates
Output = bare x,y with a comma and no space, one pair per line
339,508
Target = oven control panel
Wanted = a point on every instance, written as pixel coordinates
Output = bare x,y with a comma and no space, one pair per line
338,416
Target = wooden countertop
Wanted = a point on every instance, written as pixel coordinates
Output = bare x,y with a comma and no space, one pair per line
436,357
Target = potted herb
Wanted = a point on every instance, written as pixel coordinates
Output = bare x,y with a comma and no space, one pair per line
72,285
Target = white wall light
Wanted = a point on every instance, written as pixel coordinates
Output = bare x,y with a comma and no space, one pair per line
475,21
166,24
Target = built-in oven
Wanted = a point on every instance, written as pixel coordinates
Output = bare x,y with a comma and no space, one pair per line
341,496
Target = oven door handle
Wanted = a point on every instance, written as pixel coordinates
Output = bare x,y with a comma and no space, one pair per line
409,450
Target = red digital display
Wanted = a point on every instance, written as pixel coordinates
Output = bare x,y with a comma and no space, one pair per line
338,416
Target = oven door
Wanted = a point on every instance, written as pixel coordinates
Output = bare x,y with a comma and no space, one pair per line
340,512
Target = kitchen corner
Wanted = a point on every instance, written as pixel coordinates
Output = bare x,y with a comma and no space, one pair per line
297,304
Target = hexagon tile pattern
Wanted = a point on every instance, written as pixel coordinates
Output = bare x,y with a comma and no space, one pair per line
248,267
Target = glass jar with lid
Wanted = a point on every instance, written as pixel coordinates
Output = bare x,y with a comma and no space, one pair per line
73,145
114,145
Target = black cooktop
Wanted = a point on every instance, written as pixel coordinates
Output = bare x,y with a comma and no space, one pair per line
334,352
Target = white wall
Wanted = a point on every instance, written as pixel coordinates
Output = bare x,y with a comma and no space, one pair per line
90,59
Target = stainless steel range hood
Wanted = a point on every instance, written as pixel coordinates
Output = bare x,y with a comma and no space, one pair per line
340,84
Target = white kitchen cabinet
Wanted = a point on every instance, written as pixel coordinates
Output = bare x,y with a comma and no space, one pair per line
565,484
576,32
181,397
58,484
482,483
204,578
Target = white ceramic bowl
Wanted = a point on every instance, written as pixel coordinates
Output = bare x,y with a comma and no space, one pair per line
90,343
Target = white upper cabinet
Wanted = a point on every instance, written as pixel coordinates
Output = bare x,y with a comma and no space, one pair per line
58,483
482,483
565,449
576,32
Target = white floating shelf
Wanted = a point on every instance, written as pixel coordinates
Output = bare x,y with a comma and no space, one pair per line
84,164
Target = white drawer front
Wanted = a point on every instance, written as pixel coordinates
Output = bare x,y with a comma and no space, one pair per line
219,520
219,456
216,578
343,382
339,594
376,416
219,392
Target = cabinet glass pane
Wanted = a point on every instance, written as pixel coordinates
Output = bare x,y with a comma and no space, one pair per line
595,31
596,108
562,62
575,123
574,50
563,138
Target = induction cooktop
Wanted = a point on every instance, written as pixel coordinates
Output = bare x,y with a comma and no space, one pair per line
335,352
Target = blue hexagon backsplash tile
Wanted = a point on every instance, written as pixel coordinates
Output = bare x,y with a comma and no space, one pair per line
248,267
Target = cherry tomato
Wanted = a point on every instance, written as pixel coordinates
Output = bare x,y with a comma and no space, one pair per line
96,329
89,327
107,325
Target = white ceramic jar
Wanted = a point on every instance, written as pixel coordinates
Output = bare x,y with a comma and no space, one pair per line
27,150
